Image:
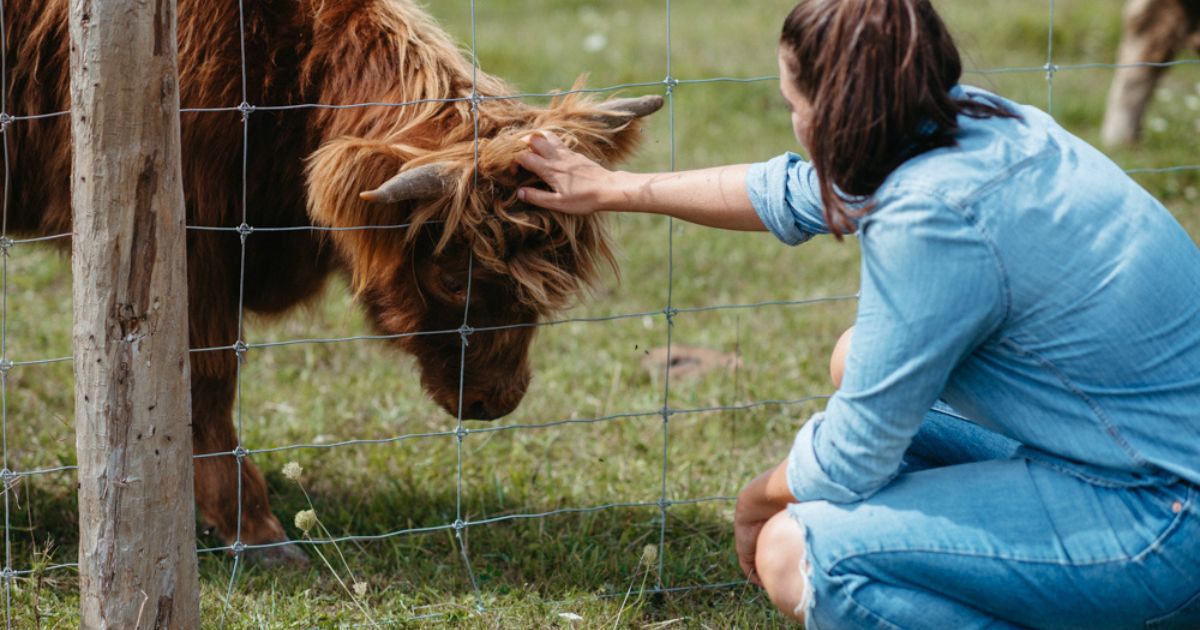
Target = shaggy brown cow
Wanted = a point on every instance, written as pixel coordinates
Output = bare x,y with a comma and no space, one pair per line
307,166
1155,31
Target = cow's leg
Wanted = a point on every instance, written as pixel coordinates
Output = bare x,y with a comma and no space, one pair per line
213,323
213,431
1154,32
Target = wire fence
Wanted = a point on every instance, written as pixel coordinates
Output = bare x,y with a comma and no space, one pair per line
460,433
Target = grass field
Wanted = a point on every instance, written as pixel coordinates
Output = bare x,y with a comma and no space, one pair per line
532,571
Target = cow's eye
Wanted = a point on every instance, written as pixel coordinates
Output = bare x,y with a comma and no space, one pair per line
453,285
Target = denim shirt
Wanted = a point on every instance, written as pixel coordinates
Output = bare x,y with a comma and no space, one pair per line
1024,279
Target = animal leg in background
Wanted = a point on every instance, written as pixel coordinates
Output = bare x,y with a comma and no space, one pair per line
213,431
1154,32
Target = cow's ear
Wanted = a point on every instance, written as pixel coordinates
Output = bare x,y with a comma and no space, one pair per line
607,131
335,174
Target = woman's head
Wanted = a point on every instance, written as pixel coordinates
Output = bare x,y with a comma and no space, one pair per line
869,85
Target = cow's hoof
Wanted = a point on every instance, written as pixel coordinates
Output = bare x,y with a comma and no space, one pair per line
288,555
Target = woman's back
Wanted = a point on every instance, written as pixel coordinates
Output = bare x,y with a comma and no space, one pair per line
1093,347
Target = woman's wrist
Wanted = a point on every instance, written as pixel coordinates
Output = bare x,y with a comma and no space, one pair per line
754,502
619,193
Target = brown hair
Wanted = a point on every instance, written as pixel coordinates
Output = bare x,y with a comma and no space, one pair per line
878,74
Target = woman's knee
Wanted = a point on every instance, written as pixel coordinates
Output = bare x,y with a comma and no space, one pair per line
779,561
837,362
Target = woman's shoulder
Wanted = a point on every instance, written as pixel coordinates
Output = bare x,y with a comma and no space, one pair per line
987,151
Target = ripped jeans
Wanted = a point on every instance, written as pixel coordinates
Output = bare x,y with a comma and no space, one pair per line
979,532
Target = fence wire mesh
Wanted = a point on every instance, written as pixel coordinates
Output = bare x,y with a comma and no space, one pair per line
461,433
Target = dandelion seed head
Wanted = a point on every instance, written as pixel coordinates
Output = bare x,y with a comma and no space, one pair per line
649,555
292,471
306,520
1157,124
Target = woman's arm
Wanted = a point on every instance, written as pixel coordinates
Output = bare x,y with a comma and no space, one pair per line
713,197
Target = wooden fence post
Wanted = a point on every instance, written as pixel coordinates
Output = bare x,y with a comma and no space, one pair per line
137,547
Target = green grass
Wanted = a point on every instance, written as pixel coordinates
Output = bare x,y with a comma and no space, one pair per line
530,571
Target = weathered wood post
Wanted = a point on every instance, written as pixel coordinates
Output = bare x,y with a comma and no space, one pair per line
137,553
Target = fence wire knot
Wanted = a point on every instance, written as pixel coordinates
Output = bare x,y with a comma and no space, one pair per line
6,244
465,331
459,525
664,503
245,230
8,573
238,548
240,452
5,121
666,413
461,433
476,100
246,109
6,364
670,82
670,312
240,348
6,475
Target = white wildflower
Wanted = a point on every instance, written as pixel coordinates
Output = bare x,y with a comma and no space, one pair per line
360,589
1192,102
570,616
1165,94
595,42
1157,124
1191,193
292,471
306,520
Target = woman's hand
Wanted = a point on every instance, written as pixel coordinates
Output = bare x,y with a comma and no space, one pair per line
715,197
765,496
577,184
745,541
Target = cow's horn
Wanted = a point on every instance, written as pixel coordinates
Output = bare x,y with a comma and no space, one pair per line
423,182
621,110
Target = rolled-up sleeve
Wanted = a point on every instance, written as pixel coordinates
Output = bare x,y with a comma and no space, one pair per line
806,477
932,291
786,196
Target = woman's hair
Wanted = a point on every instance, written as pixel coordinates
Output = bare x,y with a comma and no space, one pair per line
878,74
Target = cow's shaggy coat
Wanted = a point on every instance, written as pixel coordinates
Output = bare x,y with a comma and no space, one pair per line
307,166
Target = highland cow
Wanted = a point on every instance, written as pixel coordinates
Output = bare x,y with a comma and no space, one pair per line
335,167
1155,31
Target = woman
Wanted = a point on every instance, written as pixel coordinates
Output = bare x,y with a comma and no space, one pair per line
1015,439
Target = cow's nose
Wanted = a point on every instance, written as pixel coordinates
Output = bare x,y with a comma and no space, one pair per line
478,411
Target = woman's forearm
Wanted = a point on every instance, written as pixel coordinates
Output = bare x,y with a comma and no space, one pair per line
713,197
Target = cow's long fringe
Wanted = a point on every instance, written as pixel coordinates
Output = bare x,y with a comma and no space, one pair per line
550,256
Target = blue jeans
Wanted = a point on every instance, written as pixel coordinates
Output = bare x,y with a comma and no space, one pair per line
979,532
